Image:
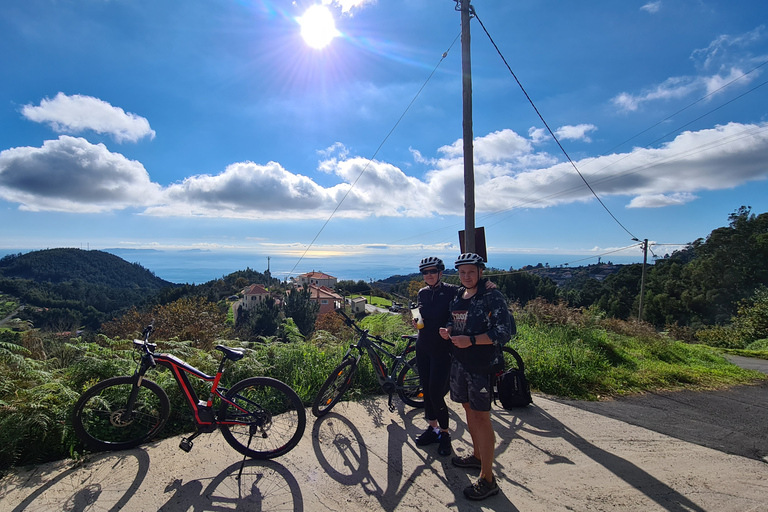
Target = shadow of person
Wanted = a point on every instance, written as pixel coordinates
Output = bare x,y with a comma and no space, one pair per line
537,422
100,483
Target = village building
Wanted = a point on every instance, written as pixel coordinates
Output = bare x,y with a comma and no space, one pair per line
328,299
316,279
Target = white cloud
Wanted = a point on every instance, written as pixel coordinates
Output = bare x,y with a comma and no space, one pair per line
578,132
661,200
497,146
348,5
724,60
567,132
75,114
652,7
72,175
246,190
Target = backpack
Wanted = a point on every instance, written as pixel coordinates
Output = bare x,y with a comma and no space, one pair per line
512,387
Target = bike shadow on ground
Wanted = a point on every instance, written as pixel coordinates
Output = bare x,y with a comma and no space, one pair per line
533,422
245,485
344,456
99,482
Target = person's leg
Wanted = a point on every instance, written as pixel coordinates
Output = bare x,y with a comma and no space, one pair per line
439,377
424,364
431,434
483,440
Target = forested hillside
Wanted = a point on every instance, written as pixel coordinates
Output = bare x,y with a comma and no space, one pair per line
703,284
91,267
69,289
66,289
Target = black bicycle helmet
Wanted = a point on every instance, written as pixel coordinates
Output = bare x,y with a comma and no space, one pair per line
430,262
470,258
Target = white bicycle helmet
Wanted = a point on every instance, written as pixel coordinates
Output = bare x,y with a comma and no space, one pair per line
470,258
430,262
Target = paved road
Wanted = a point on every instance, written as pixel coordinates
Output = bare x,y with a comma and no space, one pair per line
678,452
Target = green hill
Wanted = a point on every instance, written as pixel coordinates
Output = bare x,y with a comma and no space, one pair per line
92,267
67,289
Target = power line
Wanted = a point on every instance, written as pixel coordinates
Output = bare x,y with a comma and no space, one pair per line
442,57
551,132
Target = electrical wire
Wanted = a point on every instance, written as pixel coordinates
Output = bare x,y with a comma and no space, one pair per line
550,130
368,163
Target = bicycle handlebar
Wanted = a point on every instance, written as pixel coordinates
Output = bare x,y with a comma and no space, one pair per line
363,332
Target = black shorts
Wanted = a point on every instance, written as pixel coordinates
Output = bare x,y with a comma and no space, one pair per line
470,388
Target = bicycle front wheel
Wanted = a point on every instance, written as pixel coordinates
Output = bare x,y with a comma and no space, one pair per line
334,387
409,386
101,419
262,418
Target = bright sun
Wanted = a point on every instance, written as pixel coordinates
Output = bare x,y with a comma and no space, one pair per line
317,26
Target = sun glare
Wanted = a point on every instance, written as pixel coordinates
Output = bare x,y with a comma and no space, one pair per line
317,26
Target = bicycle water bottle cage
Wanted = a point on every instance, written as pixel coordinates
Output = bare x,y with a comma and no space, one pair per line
231,353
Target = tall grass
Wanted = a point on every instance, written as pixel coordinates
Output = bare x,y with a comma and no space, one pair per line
568,353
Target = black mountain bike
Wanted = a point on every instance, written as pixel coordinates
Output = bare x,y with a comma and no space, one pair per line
259,417
403,377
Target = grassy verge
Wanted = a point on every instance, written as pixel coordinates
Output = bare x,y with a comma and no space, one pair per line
760,354
567,355
375,301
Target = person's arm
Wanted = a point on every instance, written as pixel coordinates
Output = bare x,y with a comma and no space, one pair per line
500,321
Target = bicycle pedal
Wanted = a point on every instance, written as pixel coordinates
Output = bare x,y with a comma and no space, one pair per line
186,445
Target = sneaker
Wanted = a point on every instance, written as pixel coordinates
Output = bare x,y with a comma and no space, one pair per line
470,461
429,436
445,444
481,489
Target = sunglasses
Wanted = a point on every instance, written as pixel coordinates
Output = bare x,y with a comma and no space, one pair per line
430,271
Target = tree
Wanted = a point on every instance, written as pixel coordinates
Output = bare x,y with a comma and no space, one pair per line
188,319
263,320
300,306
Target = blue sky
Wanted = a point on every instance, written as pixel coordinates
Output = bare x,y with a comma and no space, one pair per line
213,125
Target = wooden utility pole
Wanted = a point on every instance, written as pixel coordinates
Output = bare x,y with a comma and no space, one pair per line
469,168
642,280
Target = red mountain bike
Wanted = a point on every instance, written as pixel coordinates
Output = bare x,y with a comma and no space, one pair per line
259,417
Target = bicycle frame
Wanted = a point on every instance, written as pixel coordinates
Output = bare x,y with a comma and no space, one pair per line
373,350
202,410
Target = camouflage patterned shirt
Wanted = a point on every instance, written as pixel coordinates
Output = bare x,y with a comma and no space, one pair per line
486,312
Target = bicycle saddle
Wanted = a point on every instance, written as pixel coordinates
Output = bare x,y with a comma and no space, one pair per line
234,354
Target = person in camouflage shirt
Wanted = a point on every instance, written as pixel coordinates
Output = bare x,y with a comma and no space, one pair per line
480,324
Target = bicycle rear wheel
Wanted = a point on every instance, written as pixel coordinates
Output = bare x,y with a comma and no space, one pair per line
262,418
409,386
334,387
101,421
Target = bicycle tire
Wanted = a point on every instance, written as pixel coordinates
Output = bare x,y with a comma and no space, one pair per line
98,418
270,415
509,362
334,387
409,385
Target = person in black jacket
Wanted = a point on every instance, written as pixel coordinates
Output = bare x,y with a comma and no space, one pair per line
480,324
433,353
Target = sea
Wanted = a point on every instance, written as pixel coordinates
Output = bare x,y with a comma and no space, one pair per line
198,266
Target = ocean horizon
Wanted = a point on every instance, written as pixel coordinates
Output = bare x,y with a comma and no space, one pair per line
197,266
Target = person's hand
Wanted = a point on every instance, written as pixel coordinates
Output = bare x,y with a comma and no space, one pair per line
489,285
445,333
461,341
